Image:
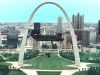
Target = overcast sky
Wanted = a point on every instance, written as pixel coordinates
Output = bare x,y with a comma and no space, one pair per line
20,10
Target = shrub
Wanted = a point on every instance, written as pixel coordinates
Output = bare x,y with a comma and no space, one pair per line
30,54
84,56
67,55
2,59
94,71
14,57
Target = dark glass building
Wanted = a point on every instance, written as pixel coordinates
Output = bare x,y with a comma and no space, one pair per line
99,27
12,41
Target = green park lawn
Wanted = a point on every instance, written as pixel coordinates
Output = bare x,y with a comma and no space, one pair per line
12,72
81,73
4,63
94,65
16,73
52,63
9,72
48,73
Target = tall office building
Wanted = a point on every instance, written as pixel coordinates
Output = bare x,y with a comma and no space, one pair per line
12,41
92,36
86,37
0,38
37,28
79,34
89,36
99,27
78,21
98,32
59,25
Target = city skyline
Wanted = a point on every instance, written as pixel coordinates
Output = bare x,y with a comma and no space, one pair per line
20,10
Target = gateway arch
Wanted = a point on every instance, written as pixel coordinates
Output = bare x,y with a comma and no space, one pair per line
73,36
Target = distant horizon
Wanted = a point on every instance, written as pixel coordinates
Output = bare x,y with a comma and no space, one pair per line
48,22
20,10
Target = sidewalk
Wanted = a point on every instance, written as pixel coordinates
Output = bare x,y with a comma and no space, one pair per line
29,71
68,72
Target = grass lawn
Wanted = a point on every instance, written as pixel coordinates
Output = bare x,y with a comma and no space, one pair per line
16,73
81,73
94,65
1,73
48,73
52,63
13,73
4,63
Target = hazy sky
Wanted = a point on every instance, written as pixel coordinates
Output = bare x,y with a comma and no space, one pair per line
20,10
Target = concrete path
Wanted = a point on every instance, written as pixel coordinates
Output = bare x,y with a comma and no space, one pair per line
84,66
68,72
29,71
15,64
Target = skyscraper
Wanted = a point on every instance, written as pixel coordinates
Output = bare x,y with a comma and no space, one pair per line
99,27
0,38
12,41
98,32
59,25
86,37
78,21
89,36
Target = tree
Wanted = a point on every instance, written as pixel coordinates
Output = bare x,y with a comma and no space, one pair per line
54,46
45,46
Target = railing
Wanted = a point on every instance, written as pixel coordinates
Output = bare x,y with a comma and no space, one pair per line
56,50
